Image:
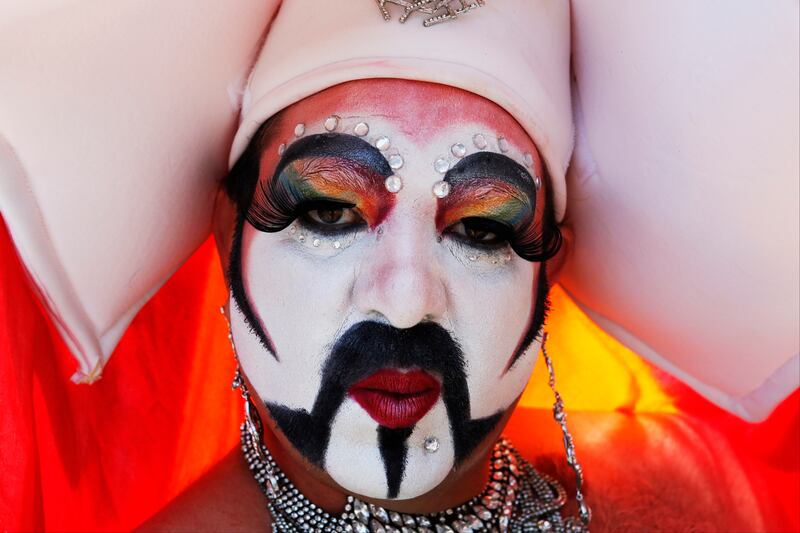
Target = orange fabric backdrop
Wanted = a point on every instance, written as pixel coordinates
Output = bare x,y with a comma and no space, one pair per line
109,455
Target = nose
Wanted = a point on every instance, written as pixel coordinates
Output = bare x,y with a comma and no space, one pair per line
400,279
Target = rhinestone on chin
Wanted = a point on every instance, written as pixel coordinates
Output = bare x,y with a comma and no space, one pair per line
441,189
393,184
441,165
361,129
331,123
458,150
431,444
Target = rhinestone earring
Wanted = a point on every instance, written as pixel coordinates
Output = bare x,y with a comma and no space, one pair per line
252,421
561,417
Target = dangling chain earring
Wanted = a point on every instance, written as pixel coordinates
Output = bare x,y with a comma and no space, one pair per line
561,417
252,420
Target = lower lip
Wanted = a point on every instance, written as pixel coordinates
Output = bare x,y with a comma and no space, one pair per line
396,399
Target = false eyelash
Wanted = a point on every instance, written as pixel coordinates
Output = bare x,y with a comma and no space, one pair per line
538,243
273,206
543,239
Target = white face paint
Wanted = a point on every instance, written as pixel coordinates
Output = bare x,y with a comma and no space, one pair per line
306,289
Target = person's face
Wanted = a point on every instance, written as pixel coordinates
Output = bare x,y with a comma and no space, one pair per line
387,329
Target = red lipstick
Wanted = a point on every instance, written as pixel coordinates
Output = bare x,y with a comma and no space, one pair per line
396,399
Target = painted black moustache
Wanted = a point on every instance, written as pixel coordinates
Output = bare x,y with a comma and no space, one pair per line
364,349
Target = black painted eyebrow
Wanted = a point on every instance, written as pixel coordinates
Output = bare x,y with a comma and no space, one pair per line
341,145
492,165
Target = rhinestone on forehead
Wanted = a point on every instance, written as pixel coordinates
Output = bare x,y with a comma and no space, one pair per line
395,162
361,129
458,150
528,159
393,184
441,189
331,123
441,165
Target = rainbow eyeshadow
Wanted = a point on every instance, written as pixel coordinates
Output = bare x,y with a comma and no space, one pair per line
492,186
331,167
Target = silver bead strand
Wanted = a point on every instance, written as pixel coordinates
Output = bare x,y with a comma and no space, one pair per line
561,417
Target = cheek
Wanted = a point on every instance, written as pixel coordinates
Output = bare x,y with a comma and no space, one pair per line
491,314
301,301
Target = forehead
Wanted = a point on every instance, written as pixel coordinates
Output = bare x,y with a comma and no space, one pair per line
419,110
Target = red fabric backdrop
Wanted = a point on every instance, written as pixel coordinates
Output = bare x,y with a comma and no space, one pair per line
108,456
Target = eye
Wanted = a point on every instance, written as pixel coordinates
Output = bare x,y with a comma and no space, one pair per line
480,231
327,215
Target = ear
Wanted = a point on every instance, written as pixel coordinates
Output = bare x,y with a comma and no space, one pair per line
223,225
556,264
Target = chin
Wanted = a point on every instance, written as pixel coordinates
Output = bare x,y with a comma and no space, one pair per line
355,456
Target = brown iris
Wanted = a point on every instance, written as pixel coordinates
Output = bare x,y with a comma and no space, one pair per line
330,215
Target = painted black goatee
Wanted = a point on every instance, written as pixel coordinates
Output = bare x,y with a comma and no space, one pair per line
363,350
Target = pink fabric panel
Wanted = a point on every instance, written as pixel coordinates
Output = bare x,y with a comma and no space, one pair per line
115,122
683,191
